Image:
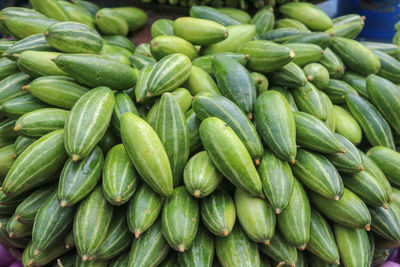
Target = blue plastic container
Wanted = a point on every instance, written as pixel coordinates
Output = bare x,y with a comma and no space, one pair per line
381,15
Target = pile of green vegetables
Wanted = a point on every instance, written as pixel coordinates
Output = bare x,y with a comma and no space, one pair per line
226,141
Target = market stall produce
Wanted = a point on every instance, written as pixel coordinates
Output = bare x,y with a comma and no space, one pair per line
228,140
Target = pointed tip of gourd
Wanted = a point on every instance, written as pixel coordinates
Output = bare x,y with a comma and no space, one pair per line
310,78
293,264
225,232
75,158
246,56
386,206
281,264
266,242
292,161
25,87
118,200
226,34
138,100
339,69
11,235
13,156
17,217
260,80
137,233
63,204
361,168
67,246
278,211
292,54
148,95
2,18
16,55
36,252
196,193
336,198
53,59
387,253
363,18
262,196
181,248
337,262
85,258
46,33
368,227
257,162
98,16
91,258
303,247
343,151
30,262
16,128
1,188
250,116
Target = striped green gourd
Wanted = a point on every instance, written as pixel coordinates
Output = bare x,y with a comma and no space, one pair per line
147,153
346,125
290,75
10,87
91,224
171,127
94,70
264,20
25,26
358,82
322,242
165,45
333,63
380,255
280,250
337,90
110,22
256,216
40,122
4,199
20,105
22,143
145,200
330,121
201,253
96,107
5,44
149,249
289,23
51,222
141,88
375,127
349,211
118,237
63,37
119,176
27,209
277,180
275,123
218,213
39,63
205,62
260,82
120,41
356,56
11,242
123,103
143,49
47,256
7,68
385,222
17,229
229,155
388,48
6,159
199,31
390,67
162,27
317,74
265,56
51,9
180,219
348,18
35,42
385,96
58,91
237,35
353,246
313,134
367,188
305,53
78,179
200,81
210,13
346,30
168,74
388,161
237,249
350,162
207,105
321,39
135,17
372,168
29,170
140,61
294,221
7,129
121,260
283,35
309,100
200,176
